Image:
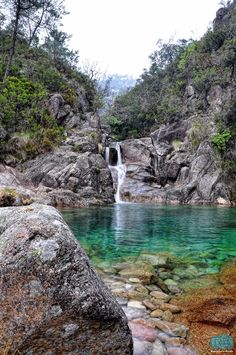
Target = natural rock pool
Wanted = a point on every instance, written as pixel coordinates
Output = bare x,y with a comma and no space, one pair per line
201,236
162,263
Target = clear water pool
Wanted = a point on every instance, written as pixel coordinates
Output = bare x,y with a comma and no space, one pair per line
114,233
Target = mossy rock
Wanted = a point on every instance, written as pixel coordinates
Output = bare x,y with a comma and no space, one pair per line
10,197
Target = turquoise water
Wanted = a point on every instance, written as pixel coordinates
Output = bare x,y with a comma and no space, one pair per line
114,233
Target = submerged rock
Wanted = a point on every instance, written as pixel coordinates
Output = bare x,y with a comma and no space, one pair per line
143,332
142,347
160,296
158,348
143,272
220,310
170,307
172,329
52,300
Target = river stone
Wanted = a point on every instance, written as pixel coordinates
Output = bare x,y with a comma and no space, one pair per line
154,259
134,280
160,295
160,283
121,266
157,302
172,329
170,282
143,332
164,275
122,301
141,347
153,288
134,313
158,348
175,341
168,316
162,336
149,305
145,322
158,313
47,276
170,307
128,287
143,272
135,295
174,289
136,304
141,289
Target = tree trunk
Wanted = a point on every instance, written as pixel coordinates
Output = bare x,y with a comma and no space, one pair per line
13,41
37,25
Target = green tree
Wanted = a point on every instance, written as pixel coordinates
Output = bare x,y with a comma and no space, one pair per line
29,17
56,46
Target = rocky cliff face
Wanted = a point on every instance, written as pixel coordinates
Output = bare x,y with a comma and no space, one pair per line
185,103
74,174
177,164
52,300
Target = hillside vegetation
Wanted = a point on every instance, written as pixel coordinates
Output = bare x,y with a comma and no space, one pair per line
179,81
35,62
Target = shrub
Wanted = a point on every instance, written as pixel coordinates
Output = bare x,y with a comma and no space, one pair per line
212,40
51,78
197,133
25,117
220,140
21,101
176,143
229,166
70,97
203,79
185,56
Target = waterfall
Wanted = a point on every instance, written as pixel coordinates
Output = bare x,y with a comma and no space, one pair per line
121,171
107,155
118,169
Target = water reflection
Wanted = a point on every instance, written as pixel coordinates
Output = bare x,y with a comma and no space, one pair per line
202,233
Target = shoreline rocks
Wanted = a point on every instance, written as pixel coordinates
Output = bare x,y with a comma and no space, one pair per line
150,311
176,324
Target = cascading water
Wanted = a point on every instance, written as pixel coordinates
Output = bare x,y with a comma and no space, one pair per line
121,171
107,156
119,168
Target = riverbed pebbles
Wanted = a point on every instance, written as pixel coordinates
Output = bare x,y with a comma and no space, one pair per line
149,308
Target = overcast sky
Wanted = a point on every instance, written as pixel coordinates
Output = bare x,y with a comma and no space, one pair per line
120,34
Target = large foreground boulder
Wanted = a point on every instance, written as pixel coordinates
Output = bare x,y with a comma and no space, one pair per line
51,299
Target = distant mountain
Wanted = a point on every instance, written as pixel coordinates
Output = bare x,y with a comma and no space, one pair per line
113,86
117,84
120,83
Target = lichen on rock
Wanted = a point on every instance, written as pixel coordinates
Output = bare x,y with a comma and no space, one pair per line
52,299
